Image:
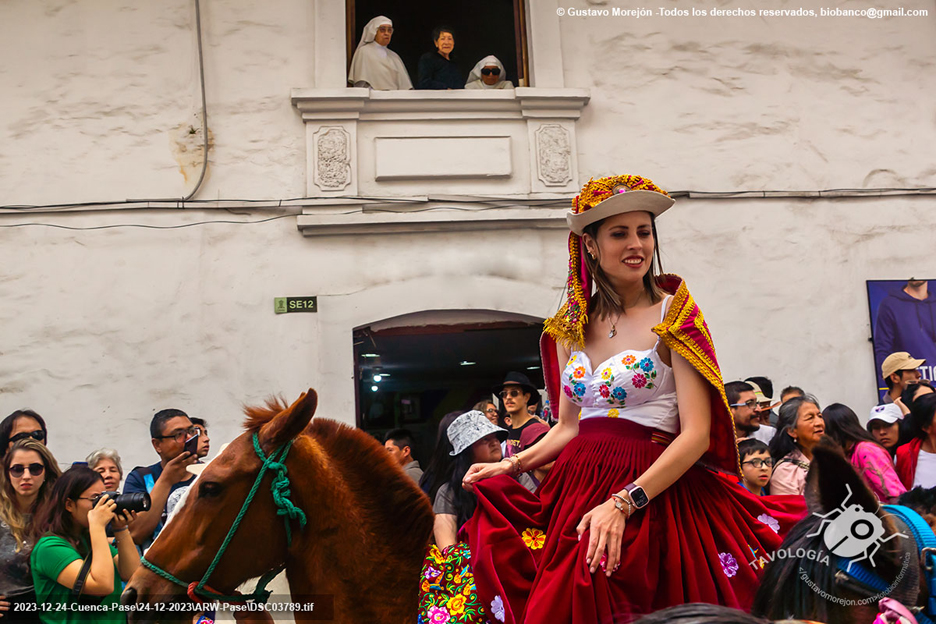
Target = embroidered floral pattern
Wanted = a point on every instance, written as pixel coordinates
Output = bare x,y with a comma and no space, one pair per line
497,608
456,604
533,538
438,615
770,521
447,594
644,371
613,413
614,383
729,564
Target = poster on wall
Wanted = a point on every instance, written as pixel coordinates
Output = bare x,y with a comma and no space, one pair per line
903,318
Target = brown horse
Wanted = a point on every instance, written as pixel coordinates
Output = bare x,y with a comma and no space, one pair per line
367,528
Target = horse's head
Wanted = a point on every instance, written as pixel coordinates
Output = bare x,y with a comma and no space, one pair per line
190,542
805,577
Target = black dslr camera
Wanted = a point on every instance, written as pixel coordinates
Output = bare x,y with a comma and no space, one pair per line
137,501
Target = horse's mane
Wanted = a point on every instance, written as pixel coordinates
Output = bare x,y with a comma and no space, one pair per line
259,415
378,485
372,477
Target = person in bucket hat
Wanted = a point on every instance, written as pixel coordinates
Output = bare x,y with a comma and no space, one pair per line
630,364
474,439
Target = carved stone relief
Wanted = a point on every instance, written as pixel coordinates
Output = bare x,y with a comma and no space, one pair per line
332,146
554,155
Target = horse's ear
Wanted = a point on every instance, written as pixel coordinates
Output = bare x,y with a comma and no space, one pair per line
829,473
289,423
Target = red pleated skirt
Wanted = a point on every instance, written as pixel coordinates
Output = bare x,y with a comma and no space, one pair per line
695,542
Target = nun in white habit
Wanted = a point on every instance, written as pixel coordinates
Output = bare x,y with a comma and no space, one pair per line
375,65
489,73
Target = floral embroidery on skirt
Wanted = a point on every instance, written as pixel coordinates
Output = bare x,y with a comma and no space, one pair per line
447,592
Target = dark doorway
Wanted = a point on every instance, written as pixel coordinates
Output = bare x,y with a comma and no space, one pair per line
425,371
494,27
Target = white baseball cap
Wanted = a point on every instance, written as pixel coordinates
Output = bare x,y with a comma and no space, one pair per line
888,412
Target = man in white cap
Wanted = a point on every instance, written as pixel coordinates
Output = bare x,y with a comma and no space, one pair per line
899,370
884,425
374,64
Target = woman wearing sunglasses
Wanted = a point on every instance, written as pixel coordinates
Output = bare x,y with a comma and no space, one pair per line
489,73
20,425
29,472
73,525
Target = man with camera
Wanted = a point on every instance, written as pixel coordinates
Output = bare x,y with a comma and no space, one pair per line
175,440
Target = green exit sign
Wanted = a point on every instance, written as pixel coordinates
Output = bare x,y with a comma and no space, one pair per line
286,305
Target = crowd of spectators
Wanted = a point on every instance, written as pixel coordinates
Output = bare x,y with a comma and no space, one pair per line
62,537
59,529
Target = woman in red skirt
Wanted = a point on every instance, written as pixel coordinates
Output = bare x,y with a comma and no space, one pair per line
642,509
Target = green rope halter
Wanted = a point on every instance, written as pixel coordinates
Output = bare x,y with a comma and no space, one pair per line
284,507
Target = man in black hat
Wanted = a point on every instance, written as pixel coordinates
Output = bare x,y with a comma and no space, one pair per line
525,429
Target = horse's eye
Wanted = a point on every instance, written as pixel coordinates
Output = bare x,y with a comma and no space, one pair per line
208,489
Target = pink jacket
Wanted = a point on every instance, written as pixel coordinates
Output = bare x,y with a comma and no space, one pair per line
875,466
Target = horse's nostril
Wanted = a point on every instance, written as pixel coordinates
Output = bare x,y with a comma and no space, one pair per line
129,597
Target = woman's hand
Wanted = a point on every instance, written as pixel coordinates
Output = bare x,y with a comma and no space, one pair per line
4,606
606,528
123,519
479,472
102,512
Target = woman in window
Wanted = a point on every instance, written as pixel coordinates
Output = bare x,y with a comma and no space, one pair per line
374,64
29,473
489,73
437,70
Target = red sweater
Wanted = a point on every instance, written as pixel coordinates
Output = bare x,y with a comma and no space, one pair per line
907,455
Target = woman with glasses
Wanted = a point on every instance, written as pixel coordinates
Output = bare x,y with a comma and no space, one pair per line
488,409
799,427
870,459
29,473
72,523
374,65
637,514
20,425
488,73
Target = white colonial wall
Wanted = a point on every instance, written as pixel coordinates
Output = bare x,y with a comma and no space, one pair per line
101,328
